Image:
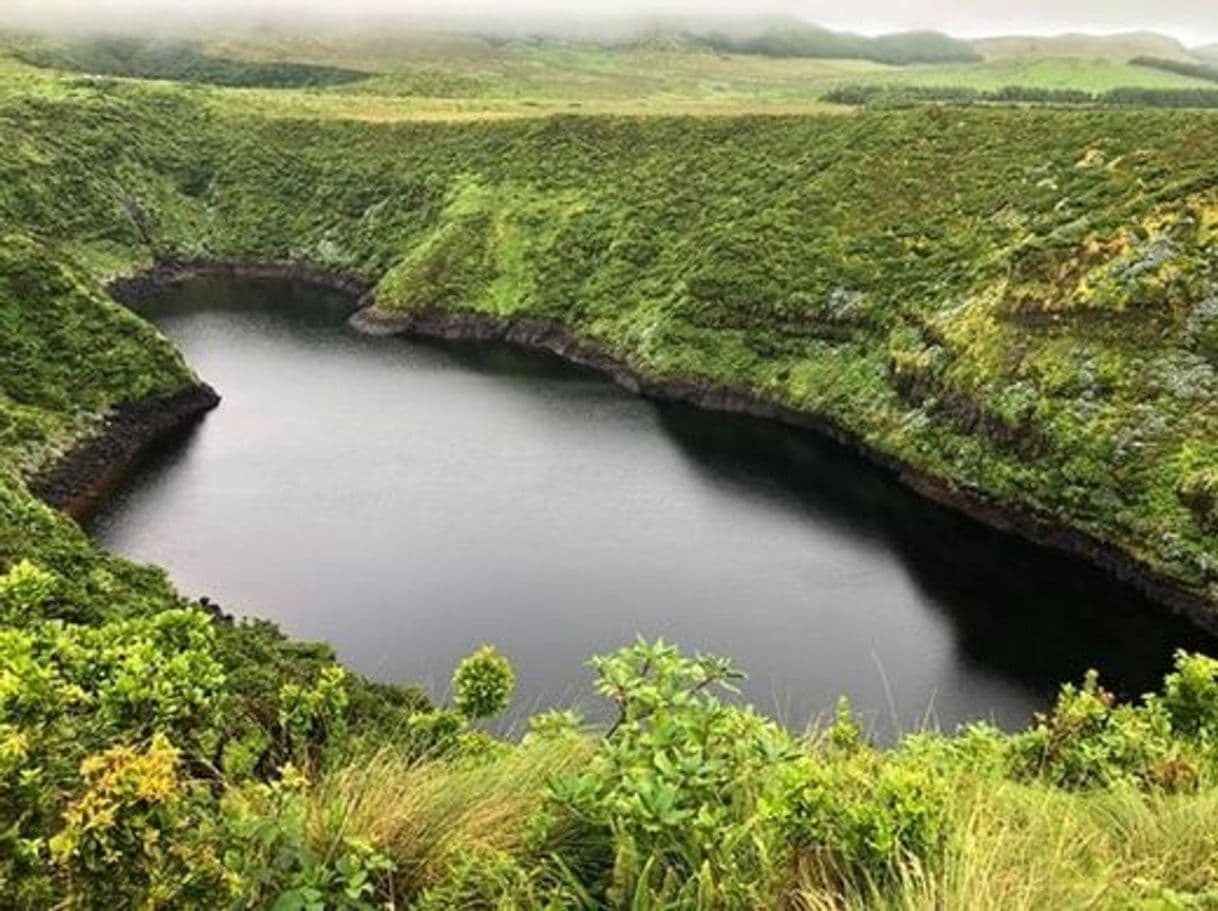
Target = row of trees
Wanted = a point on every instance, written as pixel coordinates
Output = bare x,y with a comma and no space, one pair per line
907,96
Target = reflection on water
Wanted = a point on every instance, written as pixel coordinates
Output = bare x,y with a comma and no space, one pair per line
408,501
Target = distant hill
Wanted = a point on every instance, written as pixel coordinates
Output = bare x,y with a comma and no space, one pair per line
1208,52
1121,47
179,61
1194,69
796,38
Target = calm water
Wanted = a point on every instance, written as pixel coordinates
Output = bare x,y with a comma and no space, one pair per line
407,502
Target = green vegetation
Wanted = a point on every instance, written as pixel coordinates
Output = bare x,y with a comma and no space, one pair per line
450,77
177,60
892,96
1093,75
1018,302
797,38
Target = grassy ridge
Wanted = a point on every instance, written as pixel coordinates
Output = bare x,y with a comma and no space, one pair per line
1019,301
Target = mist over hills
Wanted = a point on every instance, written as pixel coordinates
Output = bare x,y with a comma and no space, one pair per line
771,34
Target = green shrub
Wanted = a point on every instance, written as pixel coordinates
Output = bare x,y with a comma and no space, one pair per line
133,837
436,734
1203,327
271,861
1089,740
25,592
483,683
494,881
677,787
856,819
312,717
1190,697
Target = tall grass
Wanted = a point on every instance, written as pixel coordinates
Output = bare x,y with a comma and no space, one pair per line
1029,847
425,814
1011,847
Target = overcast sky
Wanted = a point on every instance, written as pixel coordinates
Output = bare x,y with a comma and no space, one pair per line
1194,21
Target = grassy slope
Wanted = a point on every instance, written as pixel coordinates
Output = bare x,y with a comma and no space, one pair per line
441,73
1091,75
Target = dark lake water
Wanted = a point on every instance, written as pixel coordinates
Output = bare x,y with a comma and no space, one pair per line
407,502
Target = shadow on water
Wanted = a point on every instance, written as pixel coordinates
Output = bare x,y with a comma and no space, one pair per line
1032,614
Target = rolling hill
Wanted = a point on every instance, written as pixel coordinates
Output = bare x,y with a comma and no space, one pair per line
1122,47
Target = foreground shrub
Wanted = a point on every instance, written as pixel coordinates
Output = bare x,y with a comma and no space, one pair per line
132,838
1090,741
25,591
1190,698
854,820
483,684
270,860
496,881
675,791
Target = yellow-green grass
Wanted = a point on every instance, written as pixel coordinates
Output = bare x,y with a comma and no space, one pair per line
1010,846
1094,75
1019,847
426,815
420,76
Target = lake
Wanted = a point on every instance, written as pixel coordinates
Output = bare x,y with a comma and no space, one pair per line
408,501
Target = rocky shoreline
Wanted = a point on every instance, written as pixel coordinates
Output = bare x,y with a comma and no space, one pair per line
78,481
542,335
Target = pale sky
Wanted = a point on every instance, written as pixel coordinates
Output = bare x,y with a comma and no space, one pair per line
1193,21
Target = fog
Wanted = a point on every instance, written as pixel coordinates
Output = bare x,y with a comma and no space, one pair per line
1192,21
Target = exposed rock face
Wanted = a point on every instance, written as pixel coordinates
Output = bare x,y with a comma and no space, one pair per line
79,480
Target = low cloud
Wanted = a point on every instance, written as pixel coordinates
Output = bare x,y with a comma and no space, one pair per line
1191,20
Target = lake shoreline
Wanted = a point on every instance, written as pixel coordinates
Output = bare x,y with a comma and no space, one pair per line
84,475
78,481
553,338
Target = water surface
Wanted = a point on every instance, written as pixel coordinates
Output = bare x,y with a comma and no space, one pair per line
407,501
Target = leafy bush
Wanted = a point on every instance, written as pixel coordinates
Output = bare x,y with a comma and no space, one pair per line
1190,698
271,861
136,815
1089,740
856,819
25,591
493,881
1198,490
483,684
1203,327
677,786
